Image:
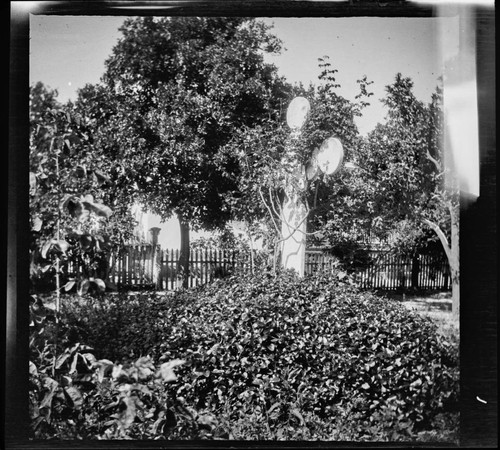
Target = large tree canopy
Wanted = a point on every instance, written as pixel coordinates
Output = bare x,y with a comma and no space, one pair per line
174,92
183,86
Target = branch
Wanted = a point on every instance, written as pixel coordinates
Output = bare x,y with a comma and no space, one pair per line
315,195
441,236
269,209
278,214
434,161
294,229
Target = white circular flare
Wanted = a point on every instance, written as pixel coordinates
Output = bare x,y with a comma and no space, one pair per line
330,156
297,112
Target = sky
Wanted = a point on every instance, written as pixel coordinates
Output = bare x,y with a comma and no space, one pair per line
67,52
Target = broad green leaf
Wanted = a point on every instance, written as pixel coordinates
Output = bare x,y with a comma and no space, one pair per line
297,414
104,366
32,369
37,224
101,286
166,370
273,407
99,209
81,171
51,386
75,396
86,241
110,285
84,287
45,249
74,363
69,285
73,205
127,415
61,360
90,359
33,183
101,177
44,268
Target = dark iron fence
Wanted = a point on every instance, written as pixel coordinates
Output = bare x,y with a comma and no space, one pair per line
152,267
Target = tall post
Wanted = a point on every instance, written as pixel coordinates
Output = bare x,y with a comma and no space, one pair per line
155,231
294,227
326,159
294,211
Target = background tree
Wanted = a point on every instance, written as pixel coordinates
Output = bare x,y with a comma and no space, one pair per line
411,177
178,89
400,181
69,193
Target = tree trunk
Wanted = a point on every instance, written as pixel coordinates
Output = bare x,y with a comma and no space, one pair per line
250,239
452,251
183,263
454,261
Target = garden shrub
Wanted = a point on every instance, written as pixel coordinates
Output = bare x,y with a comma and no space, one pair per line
284,358
73,395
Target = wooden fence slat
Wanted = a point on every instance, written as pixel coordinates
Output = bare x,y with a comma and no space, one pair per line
169,270
120,268
166,272
190,279
119,280
197,267
127,266
424,271
202,266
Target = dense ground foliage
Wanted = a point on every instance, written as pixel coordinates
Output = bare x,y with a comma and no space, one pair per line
258,357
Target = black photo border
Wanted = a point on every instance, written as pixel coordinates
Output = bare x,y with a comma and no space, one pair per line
478,244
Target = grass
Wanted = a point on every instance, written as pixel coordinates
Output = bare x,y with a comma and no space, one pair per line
437,309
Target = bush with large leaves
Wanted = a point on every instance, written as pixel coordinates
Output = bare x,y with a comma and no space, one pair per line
282,352
73,395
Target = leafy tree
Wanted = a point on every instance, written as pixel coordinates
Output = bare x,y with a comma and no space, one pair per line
401,179
269,155
69,190
412,174
175,90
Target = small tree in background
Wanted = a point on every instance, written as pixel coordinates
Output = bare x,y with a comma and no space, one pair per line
411,177
69,191
399,185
